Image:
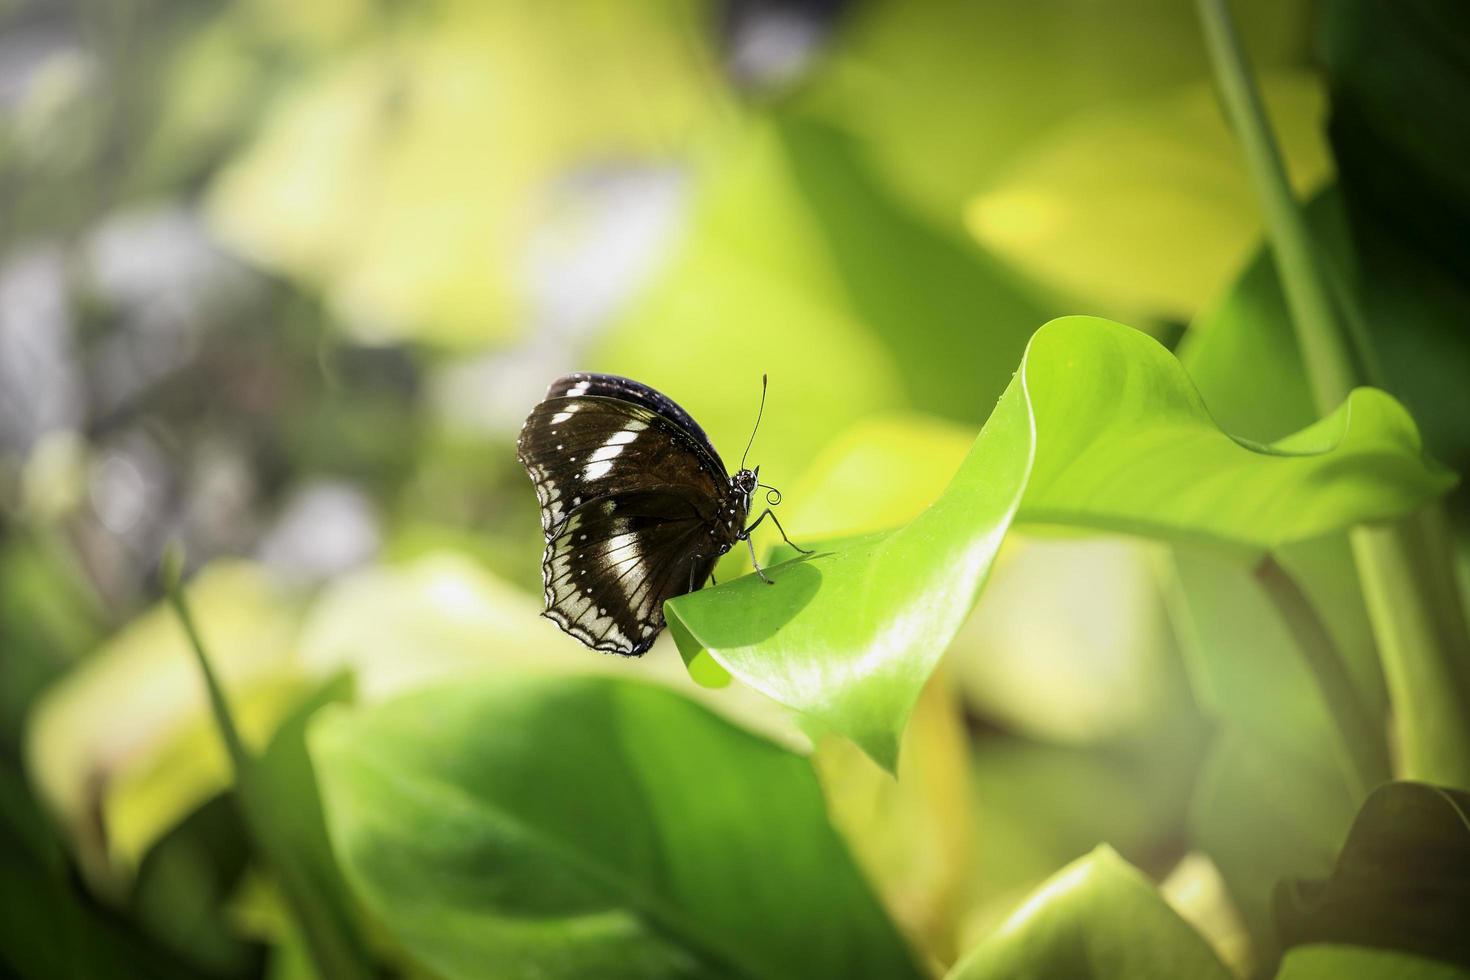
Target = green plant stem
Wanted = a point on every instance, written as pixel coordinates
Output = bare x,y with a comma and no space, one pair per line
1423,641
224,718
335,951
1409,588
1364,750
1329,367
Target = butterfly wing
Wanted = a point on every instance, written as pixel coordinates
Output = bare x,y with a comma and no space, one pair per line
630,489
614,561
583,447
628,390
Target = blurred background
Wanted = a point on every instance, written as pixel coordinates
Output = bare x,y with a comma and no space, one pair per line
281,281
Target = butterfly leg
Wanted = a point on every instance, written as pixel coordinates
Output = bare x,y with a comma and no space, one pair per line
693,567
751,545
774,520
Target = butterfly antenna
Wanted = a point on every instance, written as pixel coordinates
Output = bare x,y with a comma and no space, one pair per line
759,412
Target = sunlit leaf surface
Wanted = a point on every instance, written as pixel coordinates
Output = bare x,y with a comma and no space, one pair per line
1100,429
562,828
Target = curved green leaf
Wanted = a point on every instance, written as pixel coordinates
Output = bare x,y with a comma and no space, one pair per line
586,826
1100,428
1097,917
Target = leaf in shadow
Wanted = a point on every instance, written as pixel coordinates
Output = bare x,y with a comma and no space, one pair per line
1100,428
1402,880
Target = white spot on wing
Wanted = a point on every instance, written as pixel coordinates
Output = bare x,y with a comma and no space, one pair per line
596,470
606,452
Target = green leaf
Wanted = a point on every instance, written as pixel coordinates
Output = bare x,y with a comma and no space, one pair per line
572,826
1402,880
1327,962
1096,918
1102,429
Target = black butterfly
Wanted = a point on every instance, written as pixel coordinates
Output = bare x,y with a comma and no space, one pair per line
636,506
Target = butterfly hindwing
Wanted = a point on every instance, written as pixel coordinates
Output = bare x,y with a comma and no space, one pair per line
614,561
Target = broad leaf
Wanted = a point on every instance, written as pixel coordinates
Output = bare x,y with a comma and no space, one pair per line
1097,918
1100,428
577,826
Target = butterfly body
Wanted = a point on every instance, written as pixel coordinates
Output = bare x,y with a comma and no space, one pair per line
636,506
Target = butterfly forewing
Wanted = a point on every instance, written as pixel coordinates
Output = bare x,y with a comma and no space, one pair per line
614,562
628,390
579,448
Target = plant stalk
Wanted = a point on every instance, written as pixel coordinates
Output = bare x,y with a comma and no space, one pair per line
1365,753
334,950
1408,584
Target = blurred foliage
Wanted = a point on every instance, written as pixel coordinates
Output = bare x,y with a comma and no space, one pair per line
279,281
1096,208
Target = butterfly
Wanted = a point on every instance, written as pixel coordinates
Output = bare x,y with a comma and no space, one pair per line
636,505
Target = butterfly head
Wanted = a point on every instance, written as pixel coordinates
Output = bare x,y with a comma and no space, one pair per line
745,482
